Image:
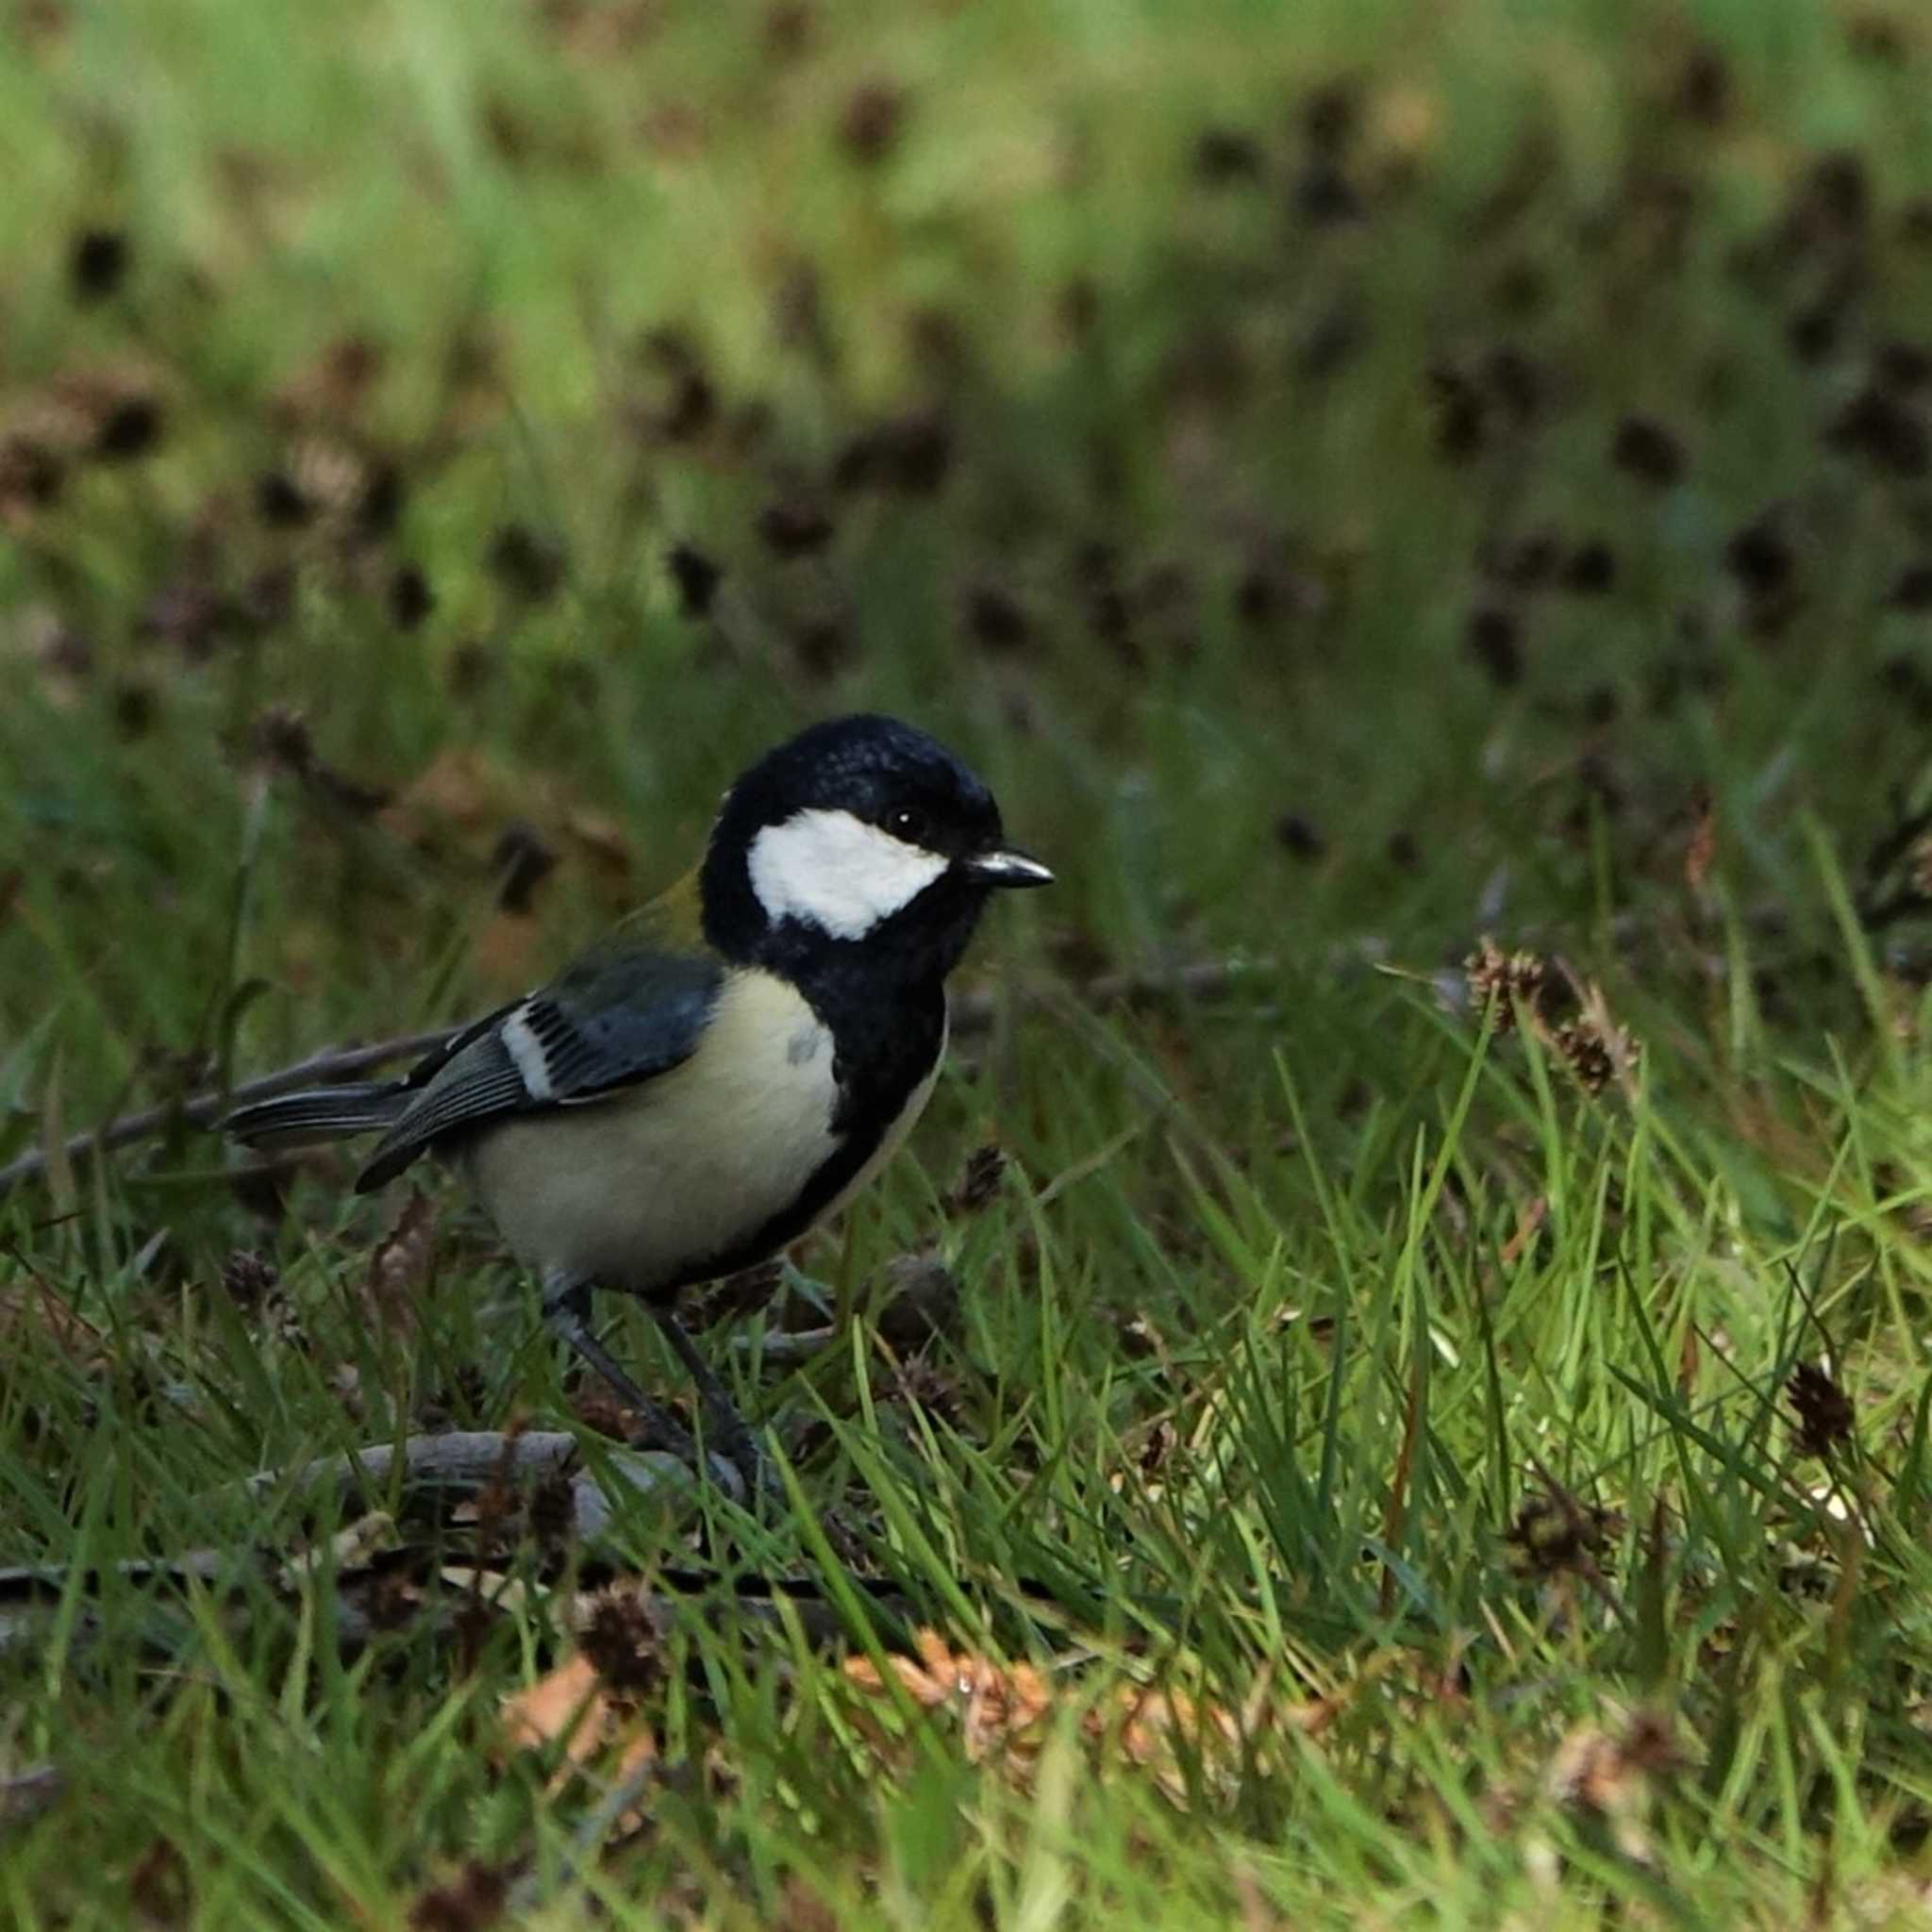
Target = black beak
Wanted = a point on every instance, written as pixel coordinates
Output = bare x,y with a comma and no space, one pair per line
1006,866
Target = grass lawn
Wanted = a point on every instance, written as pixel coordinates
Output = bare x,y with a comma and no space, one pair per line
1403,1430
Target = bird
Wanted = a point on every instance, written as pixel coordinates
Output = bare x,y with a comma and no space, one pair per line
730,1067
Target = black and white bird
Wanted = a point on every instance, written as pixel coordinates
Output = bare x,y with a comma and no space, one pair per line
733,1064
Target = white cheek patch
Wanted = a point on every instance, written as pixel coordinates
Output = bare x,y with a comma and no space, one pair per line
837,872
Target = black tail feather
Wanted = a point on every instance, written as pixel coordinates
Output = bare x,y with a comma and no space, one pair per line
319,1113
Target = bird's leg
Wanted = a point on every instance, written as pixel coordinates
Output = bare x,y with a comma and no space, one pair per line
567,1312
722,1423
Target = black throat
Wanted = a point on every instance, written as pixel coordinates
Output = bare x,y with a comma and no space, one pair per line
886,1013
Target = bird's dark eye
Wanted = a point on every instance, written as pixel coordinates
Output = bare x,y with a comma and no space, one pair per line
908,823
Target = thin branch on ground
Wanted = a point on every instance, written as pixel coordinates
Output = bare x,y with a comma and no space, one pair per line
204,1108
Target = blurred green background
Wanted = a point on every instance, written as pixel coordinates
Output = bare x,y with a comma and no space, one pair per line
1321,462
1358,478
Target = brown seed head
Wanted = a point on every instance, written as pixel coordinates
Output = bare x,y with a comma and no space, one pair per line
1593,1052
622,1639
1822,1409
1503,979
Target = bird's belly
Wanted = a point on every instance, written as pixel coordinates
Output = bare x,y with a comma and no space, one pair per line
643,1190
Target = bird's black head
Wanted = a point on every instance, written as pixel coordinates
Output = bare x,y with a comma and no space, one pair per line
861,833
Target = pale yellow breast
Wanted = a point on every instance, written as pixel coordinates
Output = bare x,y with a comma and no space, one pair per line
632,1191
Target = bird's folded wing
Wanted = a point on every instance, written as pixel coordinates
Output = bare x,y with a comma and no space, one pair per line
620,1015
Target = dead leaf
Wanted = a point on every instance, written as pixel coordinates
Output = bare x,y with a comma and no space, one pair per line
353,1548
567,1706
571,1707
1005,1713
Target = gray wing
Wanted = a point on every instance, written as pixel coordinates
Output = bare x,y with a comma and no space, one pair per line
619,1016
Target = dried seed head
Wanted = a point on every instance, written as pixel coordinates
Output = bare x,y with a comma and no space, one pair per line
1703,88
620,1639
1822,1409
521,860
1886,433
909,455
97,264
1593,1052
697,578
1555,1533
553,1512
279,737
1591,569
528,565
996,620
1496,640
411,598
871,122
1501,979
1645,449
280,502
1759,555
795,525
247,1276
980,1182
472,1899
1224,156
1300,836
130,429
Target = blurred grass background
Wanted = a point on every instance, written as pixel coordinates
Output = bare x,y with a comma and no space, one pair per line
1357,478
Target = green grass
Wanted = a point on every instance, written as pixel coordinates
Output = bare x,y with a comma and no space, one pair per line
1322,1357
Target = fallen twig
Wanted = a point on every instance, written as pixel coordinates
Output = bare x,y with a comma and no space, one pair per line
459,1462
202,1109
26,1794
466,1459
25,1582
783,1347
458,1459
972,1012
